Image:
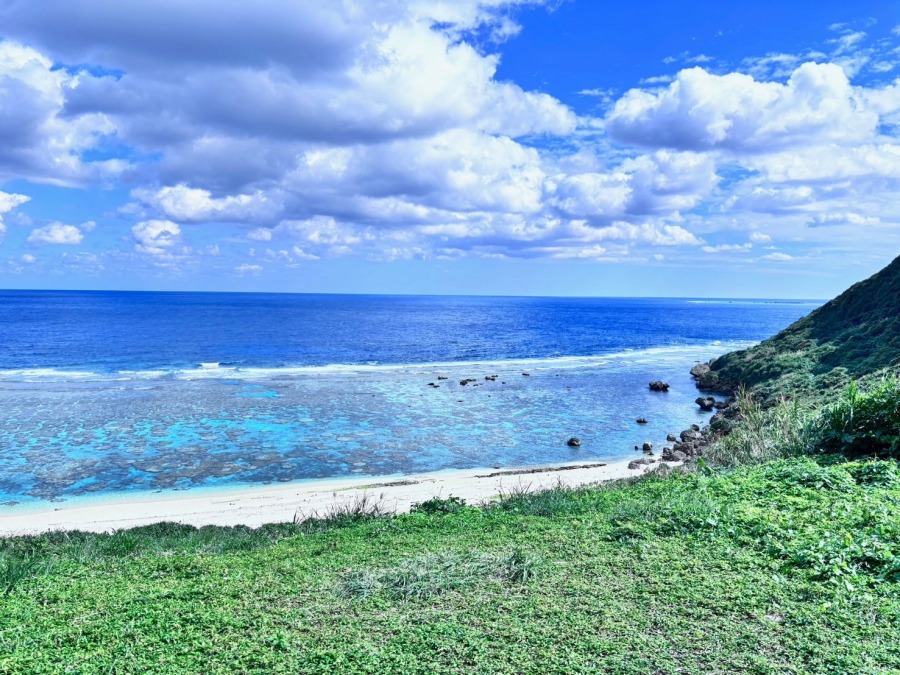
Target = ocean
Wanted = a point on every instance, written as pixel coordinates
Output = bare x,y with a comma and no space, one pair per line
113,393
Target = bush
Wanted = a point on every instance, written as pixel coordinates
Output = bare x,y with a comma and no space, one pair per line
761,434
862,423
437,505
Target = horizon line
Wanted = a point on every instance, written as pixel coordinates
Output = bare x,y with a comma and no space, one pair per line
412,295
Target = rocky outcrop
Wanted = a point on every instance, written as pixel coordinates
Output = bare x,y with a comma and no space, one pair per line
659,385
641,420
639,463
574,442
706,403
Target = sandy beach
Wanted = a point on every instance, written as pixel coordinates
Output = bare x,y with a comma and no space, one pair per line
272,504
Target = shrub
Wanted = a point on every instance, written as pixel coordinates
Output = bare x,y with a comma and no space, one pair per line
862,423
437,505
762,434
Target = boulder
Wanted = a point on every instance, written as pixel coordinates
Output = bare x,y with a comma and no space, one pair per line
695,427
526,374
463,382
671,438
642,420
706,403
574,442
689,435
638,463
647,447
700,370
659,385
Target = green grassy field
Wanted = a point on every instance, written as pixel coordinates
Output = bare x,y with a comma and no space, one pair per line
789,566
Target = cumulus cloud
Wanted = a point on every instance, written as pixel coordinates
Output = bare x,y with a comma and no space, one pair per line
382,129
8,202
156,237
56,233
193,204
38,140
703,111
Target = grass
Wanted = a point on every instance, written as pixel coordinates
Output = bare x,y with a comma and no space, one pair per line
786,566
762,433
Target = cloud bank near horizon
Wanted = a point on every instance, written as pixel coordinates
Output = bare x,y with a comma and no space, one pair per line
279,133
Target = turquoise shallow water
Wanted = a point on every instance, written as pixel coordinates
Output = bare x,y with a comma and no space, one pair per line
105,394
225,427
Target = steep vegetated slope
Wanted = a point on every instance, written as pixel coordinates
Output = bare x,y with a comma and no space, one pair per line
855,336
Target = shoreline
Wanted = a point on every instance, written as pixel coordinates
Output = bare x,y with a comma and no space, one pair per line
256,506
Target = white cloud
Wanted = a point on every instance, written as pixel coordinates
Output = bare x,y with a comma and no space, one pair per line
727,248
39,139
192,204
853,219
27,258
9,201
381,129
702,111
56,233
778,257
248,269
156,237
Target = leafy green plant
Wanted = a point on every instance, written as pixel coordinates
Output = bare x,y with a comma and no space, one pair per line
809,474
862,423
437,505
881,474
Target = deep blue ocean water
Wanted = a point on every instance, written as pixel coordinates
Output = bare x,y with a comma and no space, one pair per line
104,392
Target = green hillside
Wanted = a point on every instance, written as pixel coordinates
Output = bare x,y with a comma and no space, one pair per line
854,336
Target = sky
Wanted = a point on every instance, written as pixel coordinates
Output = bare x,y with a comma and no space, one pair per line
508,147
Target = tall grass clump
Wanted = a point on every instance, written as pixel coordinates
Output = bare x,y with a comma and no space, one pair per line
862,423
344,514
16,568
764,434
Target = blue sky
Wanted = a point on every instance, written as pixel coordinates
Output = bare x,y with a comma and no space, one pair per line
423,146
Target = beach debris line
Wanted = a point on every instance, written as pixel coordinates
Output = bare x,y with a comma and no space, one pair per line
542,469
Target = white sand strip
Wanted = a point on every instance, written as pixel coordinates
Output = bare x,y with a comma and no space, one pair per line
274,504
